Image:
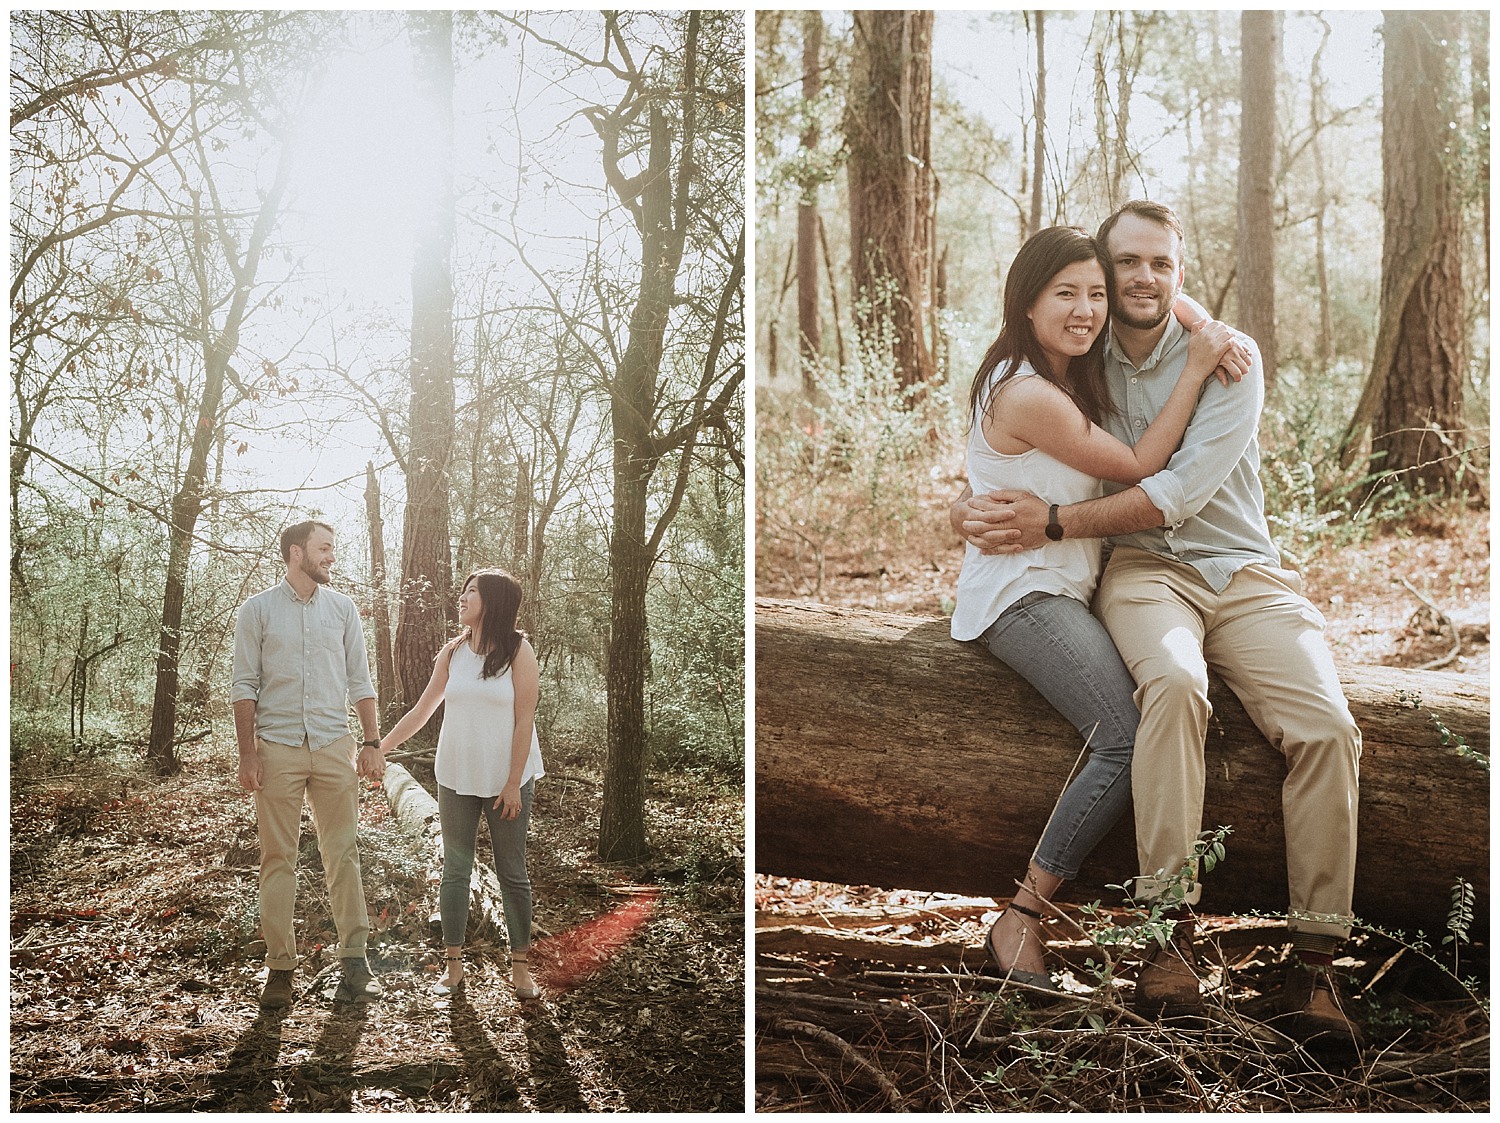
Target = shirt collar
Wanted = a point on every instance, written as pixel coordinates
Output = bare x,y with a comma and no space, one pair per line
286,587
1168,340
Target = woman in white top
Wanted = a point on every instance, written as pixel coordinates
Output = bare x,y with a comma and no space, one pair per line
1037,404
488,759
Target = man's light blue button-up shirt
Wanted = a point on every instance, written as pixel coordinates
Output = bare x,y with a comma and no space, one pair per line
1209,493
302,663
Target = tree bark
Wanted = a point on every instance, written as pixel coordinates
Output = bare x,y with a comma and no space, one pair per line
1260,48
809,326
1423,392
387,688
426,561
1412,400
888,129
888,754
663,227
1039,145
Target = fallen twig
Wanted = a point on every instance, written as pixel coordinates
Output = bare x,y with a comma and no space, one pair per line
847,1051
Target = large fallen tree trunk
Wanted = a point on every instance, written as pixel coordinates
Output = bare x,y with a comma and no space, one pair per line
887,754
415,808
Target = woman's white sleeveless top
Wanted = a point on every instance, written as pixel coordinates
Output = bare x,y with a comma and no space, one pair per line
479,725
991,583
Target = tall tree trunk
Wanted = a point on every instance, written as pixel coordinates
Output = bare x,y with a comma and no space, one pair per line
219,347
387,688
622,820
809,326
833,294
1317,87
1413,400
521,539
1260,37
888,130
1479,63
426,560
1039,141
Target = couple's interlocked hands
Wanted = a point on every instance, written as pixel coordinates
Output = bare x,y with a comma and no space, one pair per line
1001,522
370,764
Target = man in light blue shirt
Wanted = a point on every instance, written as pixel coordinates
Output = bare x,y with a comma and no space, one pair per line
299,664
1194,582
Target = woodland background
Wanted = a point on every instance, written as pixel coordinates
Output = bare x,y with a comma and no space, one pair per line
1332,172
1377,348
470,288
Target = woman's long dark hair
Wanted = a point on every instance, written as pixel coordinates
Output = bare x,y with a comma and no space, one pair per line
1044,256
499,639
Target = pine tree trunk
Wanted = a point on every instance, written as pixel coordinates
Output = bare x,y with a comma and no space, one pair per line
426,561
387,688
888,754
1412,402
1260,37
1039,140
888,126
809,325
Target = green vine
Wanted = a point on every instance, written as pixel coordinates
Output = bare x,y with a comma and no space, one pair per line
1451,740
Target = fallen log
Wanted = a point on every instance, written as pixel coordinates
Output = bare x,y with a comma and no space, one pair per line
414,807
887,754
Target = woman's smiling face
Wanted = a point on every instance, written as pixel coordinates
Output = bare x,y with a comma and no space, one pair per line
1070,313
470,606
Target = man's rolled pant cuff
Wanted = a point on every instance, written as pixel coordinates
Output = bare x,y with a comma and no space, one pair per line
283,964
1318,931
351,953
1149,890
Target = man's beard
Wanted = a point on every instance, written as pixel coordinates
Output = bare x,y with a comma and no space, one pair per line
1145,323
312,570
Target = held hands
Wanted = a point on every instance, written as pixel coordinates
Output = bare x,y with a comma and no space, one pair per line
1210,339
371,762
508,802
1001,522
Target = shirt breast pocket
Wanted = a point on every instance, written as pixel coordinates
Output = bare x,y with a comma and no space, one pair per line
329,639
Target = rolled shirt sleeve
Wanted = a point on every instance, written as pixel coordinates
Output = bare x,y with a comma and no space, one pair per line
356,661
249,626
1209,494
1220,433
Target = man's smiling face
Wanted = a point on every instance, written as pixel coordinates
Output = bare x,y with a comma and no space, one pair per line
1147,263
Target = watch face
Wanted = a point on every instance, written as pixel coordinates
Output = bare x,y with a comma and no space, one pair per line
1054,532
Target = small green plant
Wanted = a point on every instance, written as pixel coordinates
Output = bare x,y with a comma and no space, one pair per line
1450,739
1460,917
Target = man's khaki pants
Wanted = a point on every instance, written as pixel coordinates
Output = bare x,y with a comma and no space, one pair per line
328,779
1266,641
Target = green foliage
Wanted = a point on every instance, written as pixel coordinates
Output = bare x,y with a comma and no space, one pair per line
1450,740
1460,917
845,470
697,608
1313,502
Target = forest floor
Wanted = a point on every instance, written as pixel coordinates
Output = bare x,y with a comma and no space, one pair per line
861,1002
135,962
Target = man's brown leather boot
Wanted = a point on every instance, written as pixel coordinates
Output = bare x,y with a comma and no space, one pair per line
1168,980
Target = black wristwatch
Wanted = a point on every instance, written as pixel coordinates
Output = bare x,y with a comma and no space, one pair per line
369,744
1054,528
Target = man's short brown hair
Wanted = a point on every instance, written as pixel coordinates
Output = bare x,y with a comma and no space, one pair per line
1152,212
297,535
